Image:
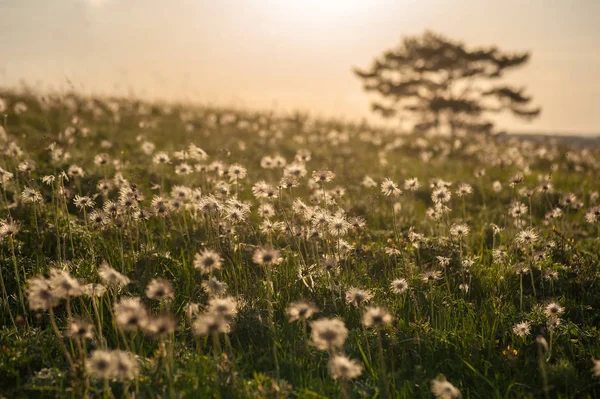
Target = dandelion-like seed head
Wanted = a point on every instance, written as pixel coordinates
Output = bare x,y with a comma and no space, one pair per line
267,257
341,367
357,296
399,286
328,334
376,317
207,261
300,310
159,289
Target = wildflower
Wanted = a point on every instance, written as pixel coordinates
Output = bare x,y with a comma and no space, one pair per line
527,237
267,257
328,334
75,171
443,389
357,222
376,317
358,297
300,311
159,289
83,202
81,329
224,307
130,314
369,182
303,155
237,172
518,210
431,275
161,206
412,184
102,159
441,195
148,147
464,190
521,269
399,286
551,275
553,322
48,179
444,261
569,201
100,365
161,325
459,230
389,188
338,226
94,290
516,179
392,251
9,228
266,211
40,294
553,309
295,170
496,229
269,227
31,196
467,263
125,365
161,158
192,309
522,329
323,176
207,261
593,215
341,367
497,186
210,323
214,287
329,264
99,218
63,285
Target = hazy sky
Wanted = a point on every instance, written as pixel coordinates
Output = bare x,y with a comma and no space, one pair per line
294,54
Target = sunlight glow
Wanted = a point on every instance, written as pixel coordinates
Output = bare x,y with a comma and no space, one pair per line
317,11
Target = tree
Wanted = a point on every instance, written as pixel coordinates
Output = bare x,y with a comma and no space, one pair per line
446,86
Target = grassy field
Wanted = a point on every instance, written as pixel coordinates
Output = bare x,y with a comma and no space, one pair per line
171,251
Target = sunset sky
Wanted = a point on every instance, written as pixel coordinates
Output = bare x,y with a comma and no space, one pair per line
294,54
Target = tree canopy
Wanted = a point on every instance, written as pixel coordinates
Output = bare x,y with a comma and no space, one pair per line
444,85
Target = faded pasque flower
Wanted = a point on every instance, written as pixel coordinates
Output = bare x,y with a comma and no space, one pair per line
159,289
376,317
522,329
344,368
40,294
267,257
328,334
399,286
358,297
111,277
207,261
300,311
443,389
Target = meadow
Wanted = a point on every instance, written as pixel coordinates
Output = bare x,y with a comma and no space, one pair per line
173,251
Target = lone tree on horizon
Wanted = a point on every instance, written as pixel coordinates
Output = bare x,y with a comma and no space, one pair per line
446,86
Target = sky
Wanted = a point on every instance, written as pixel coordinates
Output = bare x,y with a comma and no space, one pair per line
294,54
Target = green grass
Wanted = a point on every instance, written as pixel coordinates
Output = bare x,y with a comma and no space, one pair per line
437,328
